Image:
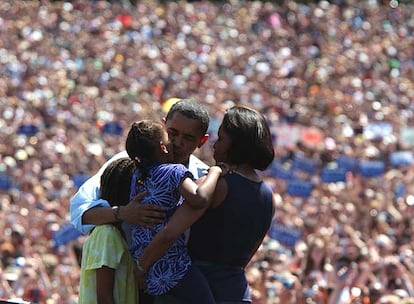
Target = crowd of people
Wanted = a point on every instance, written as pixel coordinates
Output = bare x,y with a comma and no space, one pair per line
334,79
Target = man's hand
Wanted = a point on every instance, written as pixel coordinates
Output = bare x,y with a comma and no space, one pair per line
141,214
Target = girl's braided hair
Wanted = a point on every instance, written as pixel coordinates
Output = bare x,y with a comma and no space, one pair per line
116,180
143,140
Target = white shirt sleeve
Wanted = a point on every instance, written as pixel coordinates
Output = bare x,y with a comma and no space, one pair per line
197,167
87,197
88,193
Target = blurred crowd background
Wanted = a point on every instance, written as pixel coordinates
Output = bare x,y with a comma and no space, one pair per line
335,80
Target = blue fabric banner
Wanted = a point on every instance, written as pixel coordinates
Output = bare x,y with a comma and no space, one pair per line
27,129
304,164
278,170
112,128
371,168
401,158
350,164
285,235
297,187
377,130
65,234
5,182
333,175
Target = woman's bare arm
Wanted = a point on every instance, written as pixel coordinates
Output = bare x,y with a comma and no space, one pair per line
181,220
199,195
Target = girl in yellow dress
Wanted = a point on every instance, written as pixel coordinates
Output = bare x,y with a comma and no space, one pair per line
107,267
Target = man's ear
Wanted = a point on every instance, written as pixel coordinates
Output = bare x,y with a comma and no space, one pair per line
203,140
163,148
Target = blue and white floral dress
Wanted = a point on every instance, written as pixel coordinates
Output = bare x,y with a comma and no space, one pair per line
161,185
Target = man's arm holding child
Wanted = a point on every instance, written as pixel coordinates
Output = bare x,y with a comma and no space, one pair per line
88,210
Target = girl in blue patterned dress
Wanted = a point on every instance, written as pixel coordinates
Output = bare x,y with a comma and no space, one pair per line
168,185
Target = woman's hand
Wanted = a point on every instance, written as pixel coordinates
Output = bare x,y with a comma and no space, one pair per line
225,168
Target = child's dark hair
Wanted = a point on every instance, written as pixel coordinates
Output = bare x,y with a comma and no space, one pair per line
143,138
116,181
250,136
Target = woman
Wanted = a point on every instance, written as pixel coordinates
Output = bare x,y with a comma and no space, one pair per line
229,232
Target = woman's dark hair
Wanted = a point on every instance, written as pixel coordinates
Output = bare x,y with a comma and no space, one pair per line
116,181
250,136
143,140
191,109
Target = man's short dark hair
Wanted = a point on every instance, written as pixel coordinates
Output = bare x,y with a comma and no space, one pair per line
191,109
